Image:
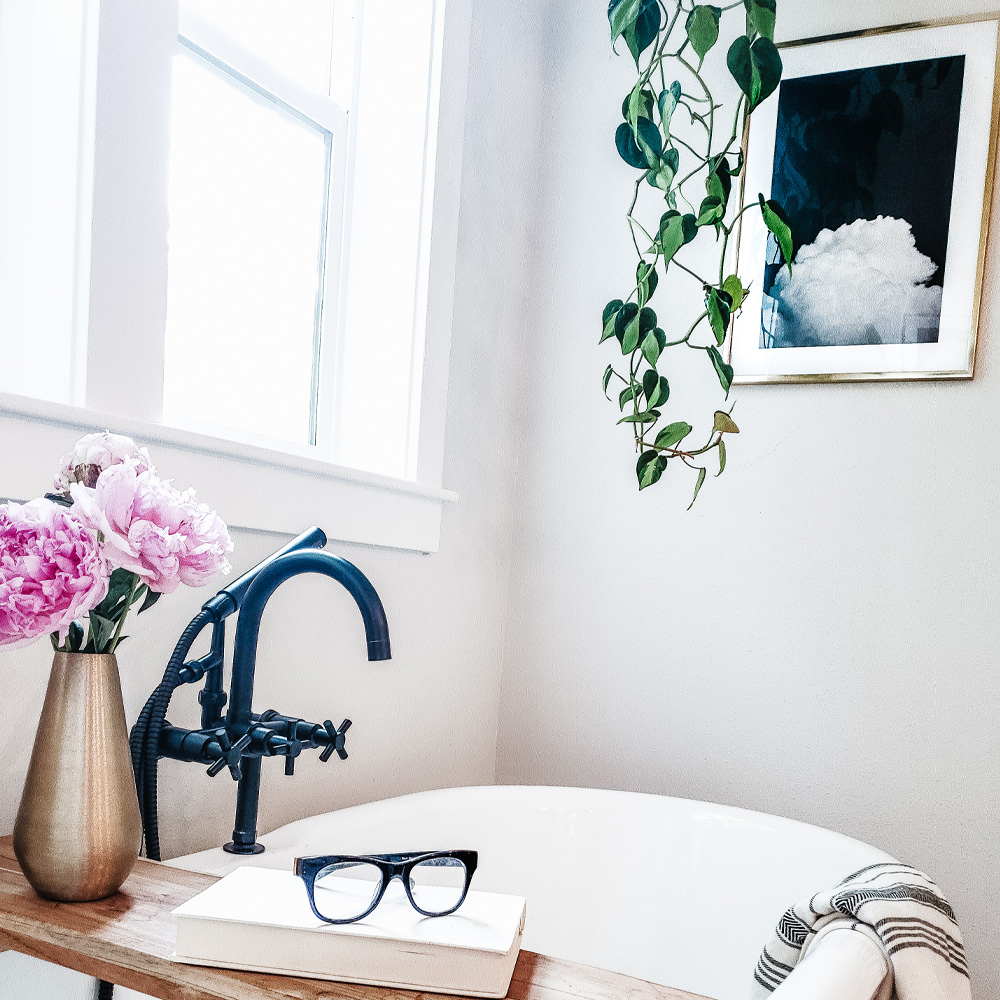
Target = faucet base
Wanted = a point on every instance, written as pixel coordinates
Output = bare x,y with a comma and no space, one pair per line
232,848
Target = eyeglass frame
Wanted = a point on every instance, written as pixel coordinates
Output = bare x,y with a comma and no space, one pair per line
391,866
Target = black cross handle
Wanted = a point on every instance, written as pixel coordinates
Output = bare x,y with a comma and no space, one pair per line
232,754
336,740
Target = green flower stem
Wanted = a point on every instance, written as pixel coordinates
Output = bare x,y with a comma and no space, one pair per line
115,638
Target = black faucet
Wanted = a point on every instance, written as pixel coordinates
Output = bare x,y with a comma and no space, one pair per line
240,739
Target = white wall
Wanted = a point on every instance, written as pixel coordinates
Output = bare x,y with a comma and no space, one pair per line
817,638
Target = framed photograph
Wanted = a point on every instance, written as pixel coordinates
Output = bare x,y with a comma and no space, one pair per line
880,146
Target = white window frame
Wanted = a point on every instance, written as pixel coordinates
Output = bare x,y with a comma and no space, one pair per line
253,485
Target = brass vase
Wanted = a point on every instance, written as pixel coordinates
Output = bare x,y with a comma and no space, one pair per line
78,830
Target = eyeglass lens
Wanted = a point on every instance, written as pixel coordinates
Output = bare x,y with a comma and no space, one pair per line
345,890
436,884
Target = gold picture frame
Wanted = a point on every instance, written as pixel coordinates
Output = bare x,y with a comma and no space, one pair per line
951,355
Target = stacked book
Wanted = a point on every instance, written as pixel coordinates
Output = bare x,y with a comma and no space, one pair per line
259,919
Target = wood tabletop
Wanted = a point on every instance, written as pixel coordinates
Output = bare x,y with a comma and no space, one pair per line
127,939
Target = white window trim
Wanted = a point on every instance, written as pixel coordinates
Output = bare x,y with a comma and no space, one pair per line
253,486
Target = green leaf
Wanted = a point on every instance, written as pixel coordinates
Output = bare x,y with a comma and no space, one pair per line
725,423
675,231
649,141
733,287
777,222
673,434
609,318
702,27
741,66
719,182
622,13
638,104
75,638
656,389
719,306
663,177
628,394
119,587
653,344
697,487
627,148
650,378
641,33
642,322
101,631
760,17
626,314
767,61
608,372
646,280
667,170
756,67
649,417
667,103
722,458
724,371
649,468
710,211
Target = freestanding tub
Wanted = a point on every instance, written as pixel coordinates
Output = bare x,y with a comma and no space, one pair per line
670,890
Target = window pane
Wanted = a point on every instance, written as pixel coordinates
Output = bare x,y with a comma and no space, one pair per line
247,211
43,269
293,35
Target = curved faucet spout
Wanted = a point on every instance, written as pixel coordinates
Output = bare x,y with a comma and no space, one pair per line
267,581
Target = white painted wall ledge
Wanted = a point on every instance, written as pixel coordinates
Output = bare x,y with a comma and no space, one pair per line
299,490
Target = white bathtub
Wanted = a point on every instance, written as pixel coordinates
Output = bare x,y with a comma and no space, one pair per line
677,892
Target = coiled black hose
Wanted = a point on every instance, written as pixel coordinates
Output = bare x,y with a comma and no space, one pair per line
145,737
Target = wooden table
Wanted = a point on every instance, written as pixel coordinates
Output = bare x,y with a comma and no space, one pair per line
127,939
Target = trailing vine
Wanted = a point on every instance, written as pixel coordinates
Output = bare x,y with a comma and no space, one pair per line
669,164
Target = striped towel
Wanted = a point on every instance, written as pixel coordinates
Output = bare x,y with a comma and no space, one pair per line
901,909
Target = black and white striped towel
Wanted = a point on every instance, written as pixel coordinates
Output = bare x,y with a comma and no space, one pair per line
897,906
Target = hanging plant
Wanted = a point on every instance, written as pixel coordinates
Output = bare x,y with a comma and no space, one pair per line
680,35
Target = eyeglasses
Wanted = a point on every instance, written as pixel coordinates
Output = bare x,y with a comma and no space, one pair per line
343,888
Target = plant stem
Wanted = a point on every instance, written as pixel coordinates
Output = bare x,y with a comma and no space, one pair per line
115,638
689,271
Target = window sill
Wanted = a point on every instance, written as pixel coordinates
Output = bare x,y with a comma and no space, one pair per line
251,486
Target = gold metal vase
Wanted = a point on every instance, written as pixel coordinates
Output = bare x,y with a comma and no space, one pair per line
78,830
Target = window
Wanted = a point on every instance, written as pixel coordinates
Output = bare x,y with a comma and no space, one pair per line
229,250
256,205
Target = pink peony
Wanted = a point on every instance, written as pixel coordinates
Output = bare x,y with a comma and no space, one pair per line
51,571
93,454
164,536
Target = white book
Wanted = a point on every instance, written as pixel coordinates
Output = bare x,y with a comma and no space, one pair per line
259,920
